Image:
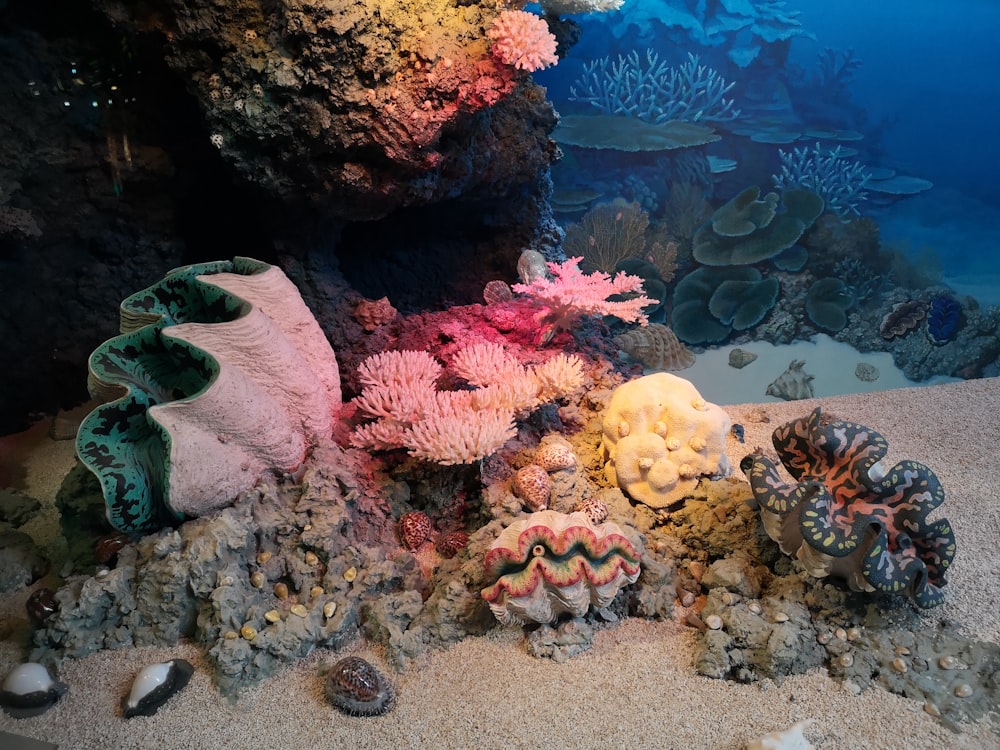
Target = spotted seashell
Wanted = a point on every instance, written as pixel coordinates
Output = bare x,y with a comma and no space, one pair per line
357,688
414,528
533,485
29,690
555,455
154,685
596,510
452,543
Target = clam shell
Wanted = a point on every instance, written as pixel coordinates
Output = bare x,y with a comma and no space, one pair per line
740,358
656,346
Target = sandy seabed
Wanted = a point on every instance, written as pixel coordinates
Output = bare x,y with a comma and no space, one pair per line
637,686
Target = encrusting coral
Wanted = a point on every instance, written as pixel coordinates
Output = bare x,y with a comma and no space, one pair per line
660,437
553,563
849,516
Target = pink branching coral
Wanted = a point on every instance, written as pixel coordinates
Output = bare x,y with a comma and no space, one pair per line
571,293
523,40
454,427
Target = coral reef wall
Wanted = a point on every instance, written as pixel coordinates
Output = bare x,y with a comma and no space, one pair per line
359,108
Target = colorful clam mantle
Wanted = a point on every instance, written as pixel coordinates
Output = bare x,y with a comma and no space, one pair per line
550,563
845,516
220,374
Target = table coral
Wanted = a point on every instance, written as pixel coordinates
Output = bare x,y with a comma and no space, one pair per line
845,515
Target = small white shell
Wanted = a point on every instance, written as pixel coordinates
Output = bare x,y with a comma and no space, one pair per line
714,622
154,685
29,690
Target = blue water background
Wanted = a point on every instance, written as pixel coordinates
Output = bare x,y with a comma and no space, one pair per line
929,105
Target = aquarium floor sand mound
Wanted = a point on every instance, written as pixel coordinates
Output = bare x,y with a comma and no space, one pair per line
636,688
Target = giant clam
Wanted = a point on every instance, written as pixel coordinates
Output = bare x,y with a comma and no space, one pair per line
29,690
357,688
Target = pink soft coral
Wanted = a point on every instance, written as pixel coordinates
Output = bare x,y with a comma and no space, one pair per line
523,40
572,293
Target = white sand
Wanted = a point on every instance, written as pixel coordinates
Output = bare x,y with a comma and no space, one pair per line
636,688
831,363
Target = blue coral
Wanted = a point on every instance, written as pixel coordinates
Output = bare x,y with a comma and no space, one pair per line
944,318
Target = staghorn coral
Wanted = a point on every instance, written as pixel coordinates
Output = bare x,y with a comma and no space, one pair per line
553,563
838,180
847,515
655,91
572,294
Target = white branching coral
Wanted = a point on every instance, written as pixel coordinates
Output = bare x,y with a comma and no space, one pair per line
454,427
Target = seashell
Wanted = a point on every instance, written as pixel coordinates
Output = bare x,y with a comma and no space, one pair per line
497,292
554,455
824,638
781,617
29,690
257,579
963,691
272,616
687,599
40,606
866,373
793,384
154,685
656,347
450,544
902,318
281,590
594,509
532,484
249,632
357,688
531,266
714,622
299,610
949,662
350,574
853,634
230,635
107,548
329,609
899,664
264,557
754,608
553,563
414,528
845,660
372,314
311,559
841,634
787,739
740,358
316,591
729,598
932,709
226,390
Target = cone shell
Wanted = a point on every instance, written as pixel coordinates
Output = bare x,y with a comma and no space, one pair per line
656,347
